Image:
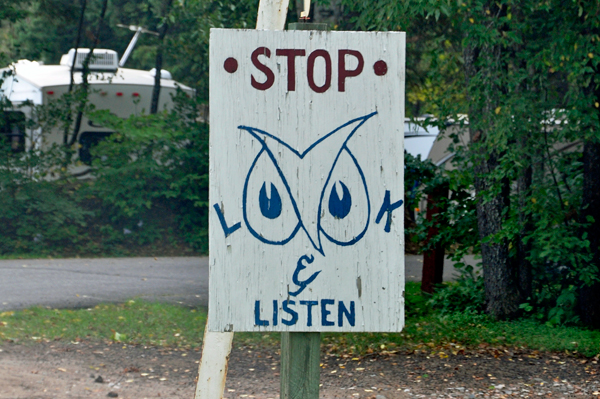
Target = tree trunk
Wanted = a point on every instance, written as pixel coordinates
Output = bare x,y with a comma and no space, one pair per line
524,140
589,296
84,76
501,288
157,76
72,71
524,181
159,59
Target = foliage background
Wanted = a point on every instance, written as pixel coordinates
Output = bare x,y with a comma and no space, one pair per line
525,72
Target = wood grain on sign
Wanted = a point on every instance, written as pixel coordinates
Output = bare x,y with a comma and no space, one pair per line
306,181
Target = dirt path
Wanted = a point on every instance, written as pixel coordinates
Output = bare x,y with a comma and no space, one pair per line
69,370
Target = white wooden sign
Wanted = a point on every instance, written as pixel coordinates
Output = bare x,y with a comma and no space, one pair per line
306,181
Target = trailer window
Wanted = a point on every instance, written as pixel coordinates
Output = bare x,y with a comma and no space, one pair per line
89,140
12,131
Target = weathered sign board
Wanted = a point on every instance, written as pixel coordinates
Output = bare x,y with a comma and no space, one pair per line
306,181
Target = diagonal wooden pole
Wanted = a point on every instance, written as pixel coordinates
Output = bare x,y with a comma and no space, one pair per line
216,347
272,14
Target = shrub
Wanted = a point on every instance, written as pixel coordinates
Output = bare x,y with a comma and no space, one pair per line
154,167
38,214
148,184
464,295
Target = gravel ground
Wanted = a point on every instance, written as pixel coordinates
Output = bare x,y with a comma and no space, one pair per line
92,370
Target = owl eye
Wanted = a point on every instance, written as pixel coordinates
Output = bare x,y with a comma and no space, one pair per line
268,208
344,210
339,208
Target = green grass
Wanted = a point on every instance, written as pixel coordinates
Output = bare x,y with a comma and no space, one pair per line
134,322
452,334
138,322
427,330
23,256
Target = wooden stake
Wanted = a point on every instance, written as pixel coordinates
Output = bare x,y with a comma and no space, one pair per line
216,347
272,14
301,351
300,365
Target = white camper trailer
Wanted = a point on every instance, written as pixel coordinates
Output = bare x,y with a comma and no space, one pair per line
419,140
122,91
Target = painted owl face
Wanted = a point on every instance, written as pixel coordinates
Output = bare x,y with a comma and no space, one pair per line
306,181
274,209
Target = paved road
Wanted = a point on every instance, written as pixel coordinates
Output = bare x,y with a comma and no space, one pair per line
75,283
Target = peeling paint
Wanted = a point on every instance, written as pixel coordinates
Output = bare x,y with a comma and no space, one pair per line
305,137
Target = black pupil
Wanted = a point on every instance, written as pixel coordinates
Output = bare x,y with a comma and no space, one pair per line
269,207
340,207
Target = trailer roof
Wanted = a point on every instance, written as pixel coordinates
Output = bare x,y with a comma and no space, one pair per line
43,76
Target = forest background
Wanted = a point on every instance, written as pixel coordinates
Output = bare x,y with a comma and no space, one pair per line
519,77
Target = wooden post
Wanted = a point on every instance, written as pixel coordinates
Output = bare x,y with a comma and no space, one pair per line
301,351
300,365
216,347
272,14
433,260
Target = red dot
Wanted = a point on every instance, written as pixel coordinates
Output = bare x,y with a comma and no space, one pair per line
136,94
50,92
119,94
230,65
380,68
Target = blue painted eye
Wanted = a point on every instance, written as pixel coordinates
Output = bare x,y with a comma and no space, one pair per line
270,207
348,216
340,208
269,211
